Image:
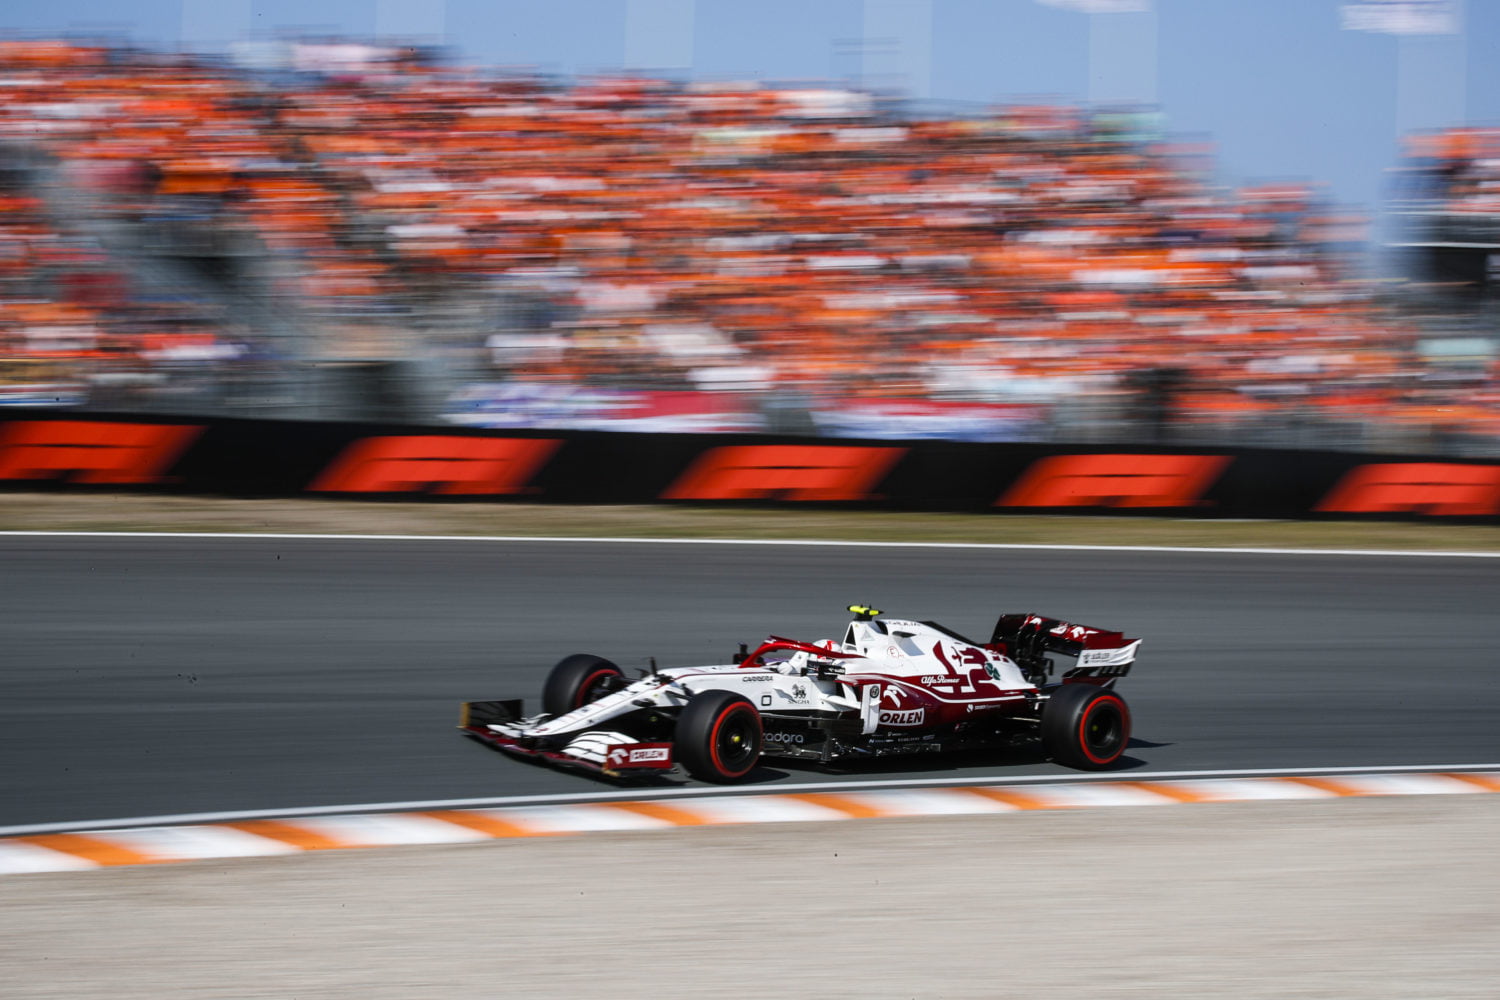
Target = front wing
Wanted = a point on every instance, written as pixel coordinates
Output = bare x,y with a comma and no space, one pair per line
613,754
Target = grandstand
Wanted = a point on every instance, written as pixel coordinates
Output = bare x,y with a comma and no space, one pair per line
382,237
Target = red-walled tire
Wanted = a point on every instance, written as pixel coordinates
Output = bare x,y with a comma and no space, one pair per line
719,737
578,680
1086,727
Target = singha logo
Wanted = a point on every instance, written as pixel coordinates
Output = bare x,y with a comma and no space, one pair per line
799,693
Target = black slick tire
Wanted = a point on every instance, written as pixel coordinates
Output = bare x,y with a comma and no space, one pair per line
719,737
578,680
1086,727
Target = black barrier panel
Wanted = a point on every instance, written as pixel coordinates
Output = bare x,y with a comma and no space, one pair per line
46,450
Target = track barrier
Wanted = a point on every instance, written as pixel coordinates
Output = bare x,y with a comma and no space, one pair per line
43,450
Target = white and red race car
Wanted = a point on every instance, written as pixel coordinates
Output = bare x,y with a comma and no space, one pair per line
888,687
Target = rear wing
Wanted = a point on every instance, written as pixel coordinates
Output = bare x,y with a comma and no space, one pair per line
1101,653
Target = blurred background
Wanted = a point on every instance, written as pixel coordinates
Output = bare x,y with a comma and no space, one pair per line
1164,221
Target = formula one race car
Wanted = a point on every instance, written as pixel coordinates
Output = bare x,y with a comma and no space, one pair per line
888,687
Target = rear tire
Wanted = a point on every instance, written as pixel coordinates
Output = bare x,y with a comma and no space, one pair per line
719,737
1086,727
578,680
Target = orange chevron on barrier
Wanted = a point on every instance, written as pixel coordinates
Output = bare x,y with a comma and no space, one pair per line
1115,480
1440,489
784,472
92,451
436,463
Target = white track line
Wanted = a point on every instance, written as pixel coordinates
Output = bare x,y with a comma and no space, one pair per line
614,540
651,792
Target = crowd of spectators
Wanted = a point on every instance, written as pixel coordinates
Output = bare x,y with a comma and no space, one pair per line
1461,167
810,243
75,328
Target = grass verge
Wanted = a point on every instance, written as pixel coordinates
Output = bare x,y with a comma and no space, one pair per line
129,512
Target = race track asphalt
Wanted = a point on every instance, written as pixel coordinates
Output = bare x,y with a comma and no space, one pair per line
158,676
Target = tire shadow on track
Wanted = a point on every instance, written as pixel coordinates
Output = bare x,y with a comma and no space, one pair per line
946,763
935,764
939,764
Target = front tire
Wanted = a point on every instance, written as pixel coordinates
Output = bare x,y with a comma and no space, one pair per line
578,680
719,737
1086,727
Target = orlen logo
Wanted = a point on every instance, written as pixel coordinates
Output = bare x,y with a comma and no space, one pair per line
92,451
912,717
1115,481
784,472
1439,489
447,464
655,756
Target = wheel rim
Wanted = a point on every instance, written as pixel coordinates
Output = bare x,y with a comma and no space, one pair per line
735,742
1103,731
